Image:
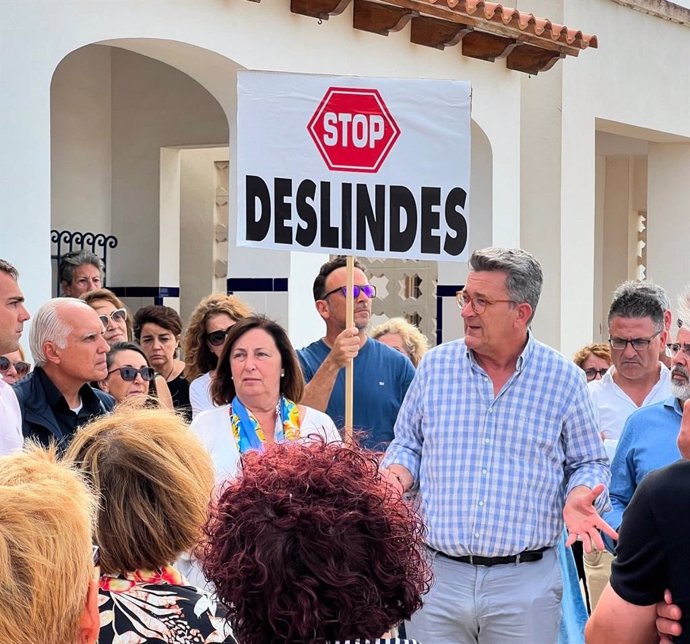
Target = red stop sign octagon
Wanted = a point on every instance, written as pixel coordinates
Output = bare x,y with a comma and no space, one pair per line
353,129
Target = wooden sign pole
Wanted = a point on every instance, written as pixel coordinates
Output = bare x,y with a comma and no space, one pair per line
349,370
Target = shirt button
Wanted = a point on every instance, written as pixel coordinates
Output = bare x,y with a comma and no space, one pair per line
480,503
487,441
476,534
484,471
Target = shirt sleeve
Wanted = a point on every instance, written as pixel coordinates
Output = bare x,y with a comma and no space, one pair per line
586,462
406,447
306,370
639,570
622,482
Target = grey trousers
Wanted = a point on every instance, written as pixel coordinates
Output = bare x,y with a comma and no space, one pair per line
504,604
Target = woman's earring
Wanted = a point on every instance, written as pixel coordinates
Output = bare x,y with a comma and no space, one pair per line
282,373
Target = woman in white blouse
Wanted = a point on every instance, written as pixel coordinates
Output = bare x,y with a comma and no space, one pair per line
257,386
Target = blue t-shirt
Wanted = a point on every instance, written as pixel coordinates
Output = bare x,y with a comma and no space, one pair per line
381,378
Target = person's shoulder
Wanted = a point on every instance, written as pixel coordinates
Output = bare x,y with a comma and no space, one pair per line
316,346
209,418
25,389
105,399
642,415
671,482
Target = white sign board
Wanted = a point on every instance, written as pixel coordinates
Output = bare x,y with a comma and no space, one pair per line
361,166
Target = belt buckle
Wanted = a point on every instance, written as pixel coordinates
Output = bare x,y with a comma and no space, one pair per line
471,560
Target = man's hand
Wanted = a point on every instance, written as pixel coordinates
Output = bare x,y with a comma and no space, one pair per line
668,619
345,348
397,476
583,521
684,433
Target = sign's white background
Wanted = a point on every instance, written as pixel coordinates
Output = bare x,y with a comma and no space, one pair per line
433,149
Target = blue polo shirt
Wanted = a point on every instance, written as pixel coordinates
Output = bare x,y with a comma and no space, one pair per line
648,443
381,378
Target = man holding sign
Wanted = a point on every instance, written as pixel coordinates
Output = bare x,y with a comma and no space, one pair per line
381,374
498,432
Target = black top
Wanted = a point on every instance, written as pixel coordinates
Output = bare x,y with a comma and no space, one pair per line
179,390
652,552
46,415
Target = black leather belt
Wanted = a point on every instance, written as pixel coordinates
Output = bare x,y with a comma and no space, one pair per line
522,557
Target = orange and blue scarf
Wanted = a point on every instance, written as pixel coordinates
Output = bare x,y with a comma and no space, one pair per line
248,433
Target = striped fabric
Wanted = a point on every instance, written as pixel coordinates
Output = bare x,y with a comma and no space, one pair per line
493,472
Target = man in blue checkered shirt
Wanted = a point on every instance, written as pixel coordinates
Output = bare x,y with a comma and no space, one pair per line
498,433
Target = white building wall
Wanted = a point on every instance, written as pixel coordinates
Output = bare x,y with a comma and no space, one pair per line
220,37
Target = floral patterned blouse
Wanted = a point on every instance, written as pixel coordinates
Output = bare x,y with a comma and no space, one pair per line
157,606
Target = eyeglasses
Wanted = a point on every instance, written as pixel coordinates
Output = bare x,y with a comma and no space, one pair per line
118,315
129,374
368,289
620,344
478,304
592,373
673,349
22,368
216,338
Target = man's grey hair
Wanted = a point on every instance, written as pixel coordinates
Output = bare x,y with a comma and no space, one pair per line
634,299
6,267
48,326
70,261
524,277
684,307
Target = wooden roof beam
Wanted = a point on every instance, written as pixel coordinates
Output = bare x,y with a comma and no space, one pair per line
532,60
431,32
380,18
486,46
321,9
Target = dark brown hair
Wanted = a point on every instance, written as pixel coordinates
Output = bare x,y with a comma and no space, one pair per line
291,385
338,261
158,314
311,545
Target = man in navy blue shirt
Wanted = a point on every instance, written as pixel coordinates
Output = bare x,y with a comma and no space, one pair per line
381,374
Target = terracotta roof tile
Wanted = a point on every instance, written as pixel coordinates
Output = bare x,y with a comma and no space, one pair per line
522,20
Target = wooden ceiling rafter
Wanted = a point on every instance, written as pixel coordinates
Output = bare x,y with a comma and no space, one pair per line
484,30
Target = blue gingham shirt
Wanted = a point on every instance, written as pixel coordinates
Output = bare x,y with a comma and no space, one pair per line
494,471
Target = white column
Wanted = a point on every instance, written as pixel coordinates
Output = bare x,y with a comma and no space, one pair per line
668,216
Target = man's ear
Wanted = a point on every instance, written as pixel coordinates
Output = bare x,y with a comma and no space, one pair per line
51,352
90,621
64,285
524,312
322,309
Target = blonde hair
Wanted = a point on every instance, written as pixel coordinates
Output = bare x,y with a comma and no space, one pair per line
416,343
155,479
46,564
198,357
599,349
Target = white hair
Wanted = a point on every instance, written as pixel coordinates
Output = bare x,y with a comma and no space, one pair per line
684,307
47,326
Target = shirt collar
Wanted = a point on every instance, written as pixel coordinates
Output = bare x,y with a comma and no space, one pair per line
675,404
523,358
56,400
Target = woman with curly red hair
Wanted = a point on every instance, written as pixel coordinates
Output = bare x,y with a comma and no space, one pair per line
310,544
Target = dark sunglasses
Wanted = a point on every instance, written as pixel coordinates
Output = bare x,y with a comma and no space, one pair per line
368,289
129,374
592,373
22,368
216,338
118,315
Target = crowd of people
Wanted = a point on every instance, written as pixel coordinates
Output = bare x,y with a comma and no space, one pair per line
192,484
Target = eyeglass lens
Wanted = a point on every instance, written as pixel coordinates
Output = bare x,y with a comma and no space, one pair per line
118,315
22,368
129,374
217,338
